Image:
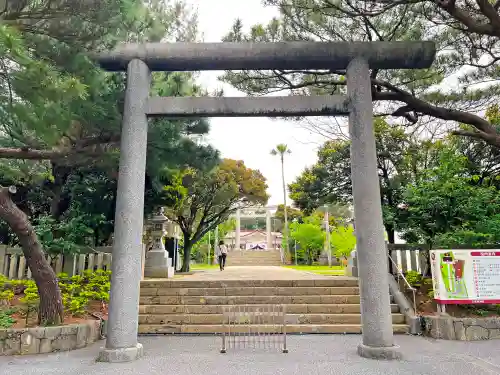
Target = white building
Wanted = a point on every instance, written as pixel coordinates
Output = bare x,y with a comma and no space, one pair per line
254,240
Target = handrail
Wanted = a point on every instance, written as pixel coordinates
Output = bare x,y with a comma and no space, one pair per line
400,273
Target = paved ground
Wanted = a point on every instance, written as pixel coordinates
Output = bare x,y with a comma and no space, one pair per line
311,355
253,273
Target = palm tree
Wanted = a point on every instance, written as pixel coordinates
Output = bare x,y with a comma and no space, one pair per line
281,150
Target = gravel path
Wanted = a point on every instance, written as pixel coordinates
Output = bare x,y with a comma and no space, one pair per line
311,355
254,273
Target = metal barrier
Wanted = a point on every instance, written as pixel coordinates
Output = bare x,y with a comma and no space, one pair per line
254,326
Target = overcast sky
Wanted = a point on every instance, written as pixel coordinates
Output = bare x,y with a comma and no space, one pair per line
251,139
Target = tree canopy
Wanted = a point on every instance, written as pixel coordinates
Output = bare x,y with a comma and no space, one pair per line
200,200
60,119
310,238
455,91
449,206
399,161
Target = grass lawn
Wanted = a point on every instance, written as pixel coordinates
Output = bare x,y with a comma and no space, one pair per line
321,270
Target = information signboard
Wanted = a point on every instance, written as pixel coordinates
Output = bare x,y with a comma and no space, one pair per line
466,276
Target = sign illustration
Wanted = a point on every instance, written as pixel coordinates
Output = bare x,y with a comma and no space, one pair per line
466,276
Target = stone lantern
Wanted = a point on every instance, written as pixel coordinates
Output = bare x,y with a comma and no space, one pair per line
158,264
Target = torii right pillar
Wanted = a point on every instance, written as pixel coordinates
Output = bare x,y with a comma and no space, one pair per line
376,317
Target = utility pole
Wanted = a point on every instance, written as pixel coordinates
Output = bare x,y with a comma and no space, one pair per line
295,242
209,249
216,237
328,246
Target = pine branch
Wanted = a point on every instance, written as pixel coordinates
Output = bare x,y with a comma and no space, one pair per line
465,18
91,146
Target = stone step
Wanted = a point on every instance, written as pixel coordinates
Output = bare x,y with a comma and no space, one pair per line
260,264
260,258
290,309
245,262
335,281
254,256
292,328
256,259
262,318
247,300
253,264
252,260
250,291
262,255
253,252
263,261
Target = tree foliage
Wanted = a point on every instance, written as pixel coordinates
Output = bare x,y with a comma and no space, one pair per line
461,84
281,150
400,158
60,119
204,249
449,206
309,237
292,213
343,241
199,200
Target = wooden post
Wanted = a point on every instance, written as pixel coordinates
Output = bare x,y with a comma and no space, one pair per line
69,264
3,252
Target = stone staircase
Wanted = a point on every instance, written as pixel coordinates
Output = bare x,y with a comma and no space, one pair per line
196,306
253,258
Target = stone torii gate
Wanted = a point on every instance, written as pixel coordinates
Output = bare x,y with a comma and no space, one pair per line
357,58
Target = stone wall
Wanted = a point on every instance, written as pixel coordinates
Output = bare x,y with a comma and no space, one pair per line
16,341
446,327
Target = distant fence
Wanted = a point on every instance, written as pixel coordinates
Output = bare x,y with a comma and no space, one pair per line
409,257
13,263
416,257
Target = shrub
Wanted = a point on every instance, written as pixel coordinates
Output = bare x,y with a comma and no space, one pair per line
6,319
5,297
414,278
30,300
427,280
77,291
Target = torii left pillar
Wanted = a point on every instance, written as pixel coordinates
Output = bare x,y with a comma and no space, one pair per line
121,340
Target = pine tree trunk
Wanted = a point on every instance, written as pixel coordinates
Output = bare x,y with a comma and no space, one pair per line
51,307
391,233
186,261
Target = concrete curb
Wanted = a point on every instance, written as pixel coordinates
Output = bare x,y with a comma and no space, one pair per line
38,340
385,353
121,355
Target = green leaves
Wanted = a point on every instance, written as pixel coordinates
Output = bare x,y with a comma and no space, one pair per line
199,200
343,241
462,82
399,160
448,206
67,236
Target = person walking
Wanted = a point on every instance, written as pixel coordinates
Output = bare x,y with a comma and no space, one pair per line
221,252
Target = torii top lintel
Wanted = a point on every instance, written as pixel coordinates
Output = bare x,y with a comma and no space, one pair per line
267,56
